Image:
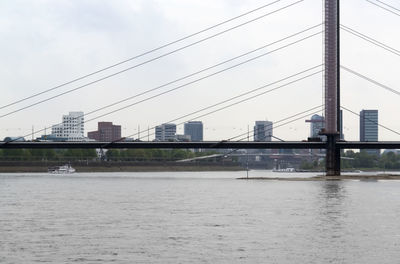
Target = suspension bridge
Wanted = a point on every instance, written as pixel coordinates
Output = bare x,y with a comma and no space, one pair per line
331,107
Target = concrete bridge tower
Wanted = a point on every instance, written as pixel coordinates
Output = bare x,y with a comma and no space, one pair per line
332,86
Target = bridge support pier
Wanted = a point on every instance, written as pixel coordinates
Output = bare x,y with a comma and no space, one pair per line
332,156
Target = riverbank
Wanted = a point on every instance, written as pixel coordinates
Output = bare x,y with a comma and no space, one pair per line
376,177
126,168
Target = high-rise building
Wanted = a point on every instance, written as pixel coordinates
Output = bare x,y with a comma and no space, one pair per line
165,132
263,131
341,125
106,131
72,127
369,128
194,129
317,123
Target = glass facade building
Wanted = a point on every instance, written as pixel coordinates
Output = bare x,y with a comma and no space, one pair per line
369,128
263,131
194,129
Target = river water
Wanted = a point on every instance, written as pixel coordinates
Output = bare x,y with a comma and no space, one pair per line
196,217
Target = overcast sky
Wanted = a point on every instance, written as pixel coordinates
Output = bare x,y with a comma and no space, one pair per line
45,43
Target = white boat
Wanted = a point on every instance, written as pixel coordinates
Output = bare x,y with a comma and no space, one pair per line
65,169
285,170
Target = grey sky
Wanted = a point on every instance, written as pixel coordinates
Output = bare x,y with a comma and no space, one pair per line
45,43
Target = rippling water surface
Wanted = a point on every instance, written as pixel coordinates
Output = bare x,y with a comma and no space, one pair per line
196,217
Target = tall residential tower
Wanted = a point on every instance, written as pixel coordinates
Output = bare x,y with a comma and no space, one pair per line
263,131
369,128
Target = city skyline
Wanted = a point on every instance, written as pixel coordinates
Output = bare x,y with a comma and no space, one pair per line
194,130
42,60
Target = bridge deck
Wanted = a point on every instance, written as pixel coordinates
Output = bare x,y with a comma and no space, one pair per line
204,145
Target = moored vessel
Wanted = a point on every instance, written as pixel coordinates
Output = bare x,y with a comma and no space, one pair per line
65,169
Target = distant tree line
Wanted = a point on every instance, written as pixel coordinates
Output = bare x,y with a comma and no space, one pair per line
47,154
360,160
152,154
91,154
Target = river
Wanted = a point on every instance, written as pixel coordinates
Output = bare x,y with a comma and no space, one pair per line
196,217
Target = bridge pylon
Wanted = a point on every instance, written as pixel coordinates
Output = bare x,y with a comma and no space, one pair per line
332,86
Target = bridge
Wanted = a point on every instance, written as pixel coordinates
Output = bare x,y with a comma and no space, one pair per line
203,145
332,104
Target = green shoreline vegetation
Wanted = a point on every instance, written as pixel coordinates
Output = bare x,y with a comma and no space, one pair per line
87,160
41,168
91,154
363,161
115,160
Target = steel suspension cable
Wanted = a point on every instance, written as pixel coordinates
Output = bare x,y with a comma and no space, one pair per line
153,59
194,81
238,96
209,68
191,82
376,83
287,123
388,5
269,129
370,80
385,8
283,120
385,127
279,121
371,40
286,78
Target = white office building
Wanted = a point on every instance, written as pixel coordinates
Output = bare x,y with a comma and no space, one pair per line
71,128
166,132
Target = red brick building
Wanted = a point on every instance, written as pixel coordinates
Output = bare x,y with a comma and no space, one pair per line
106,131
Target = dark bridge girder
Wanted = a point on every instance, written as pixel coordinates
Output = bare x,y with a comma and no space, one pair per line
204,145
